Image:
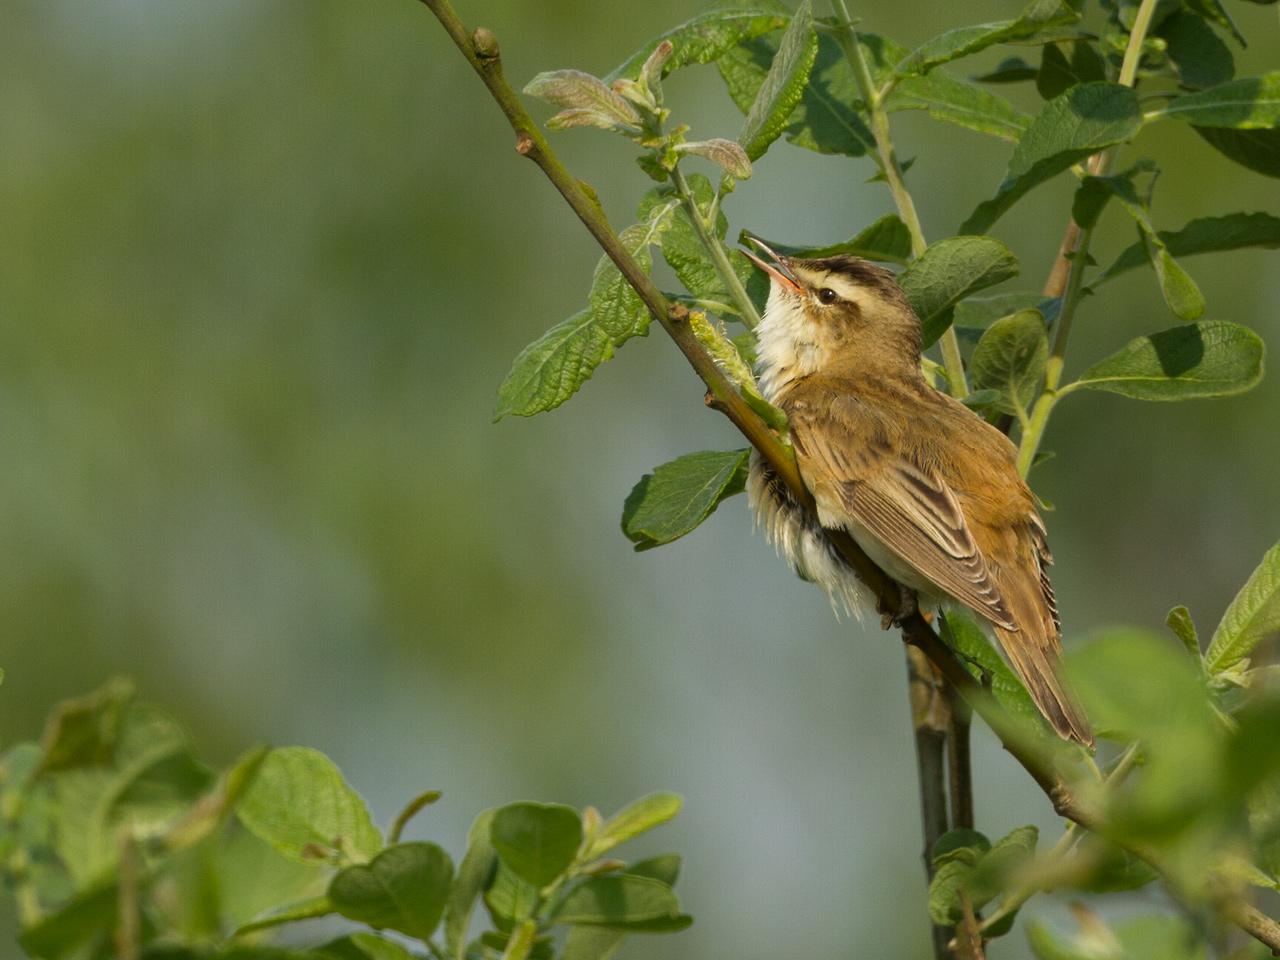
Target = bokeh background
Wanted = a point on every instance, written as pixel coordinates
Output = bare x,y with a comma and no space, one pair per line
262,267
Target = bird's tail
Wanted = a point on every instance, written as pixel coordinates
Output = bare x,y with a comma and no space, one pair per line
1039,667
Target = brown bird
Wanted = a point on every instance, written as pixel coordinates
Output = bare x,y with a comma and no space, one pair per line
928,489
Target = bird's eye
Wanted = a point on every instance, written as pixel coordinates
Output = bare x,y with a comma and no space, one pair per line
827,295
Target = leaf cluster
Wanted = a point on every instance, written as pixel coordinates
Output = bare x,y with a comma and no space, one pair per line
116,841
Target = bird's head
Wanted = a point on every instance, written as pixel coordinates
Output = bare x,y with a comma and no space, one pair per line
834,314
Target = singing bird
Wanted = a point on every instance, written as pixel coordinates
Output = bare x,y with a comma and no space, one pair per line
928,489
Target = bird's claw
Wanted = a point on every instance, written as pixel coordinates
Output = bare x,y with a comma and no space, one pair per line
907,608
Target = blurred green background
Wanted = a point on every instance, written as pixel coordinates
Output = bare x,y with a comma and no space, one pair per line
262,267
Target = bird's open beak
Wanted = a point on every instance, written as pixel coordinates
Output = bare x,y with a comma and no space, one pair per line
778,270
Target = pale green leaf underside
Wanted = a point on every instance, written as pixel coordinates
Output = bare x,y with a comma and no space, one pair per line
966,41
783,85
1212,358
674,499
1253,616
709,35
1250,104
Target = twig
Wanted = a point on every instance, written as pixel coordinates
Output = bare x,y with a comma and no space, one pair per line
411,809
929,718
743,307
481,51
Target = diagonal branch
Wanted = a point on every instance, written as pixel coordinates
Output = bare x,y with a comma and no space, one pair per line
481,51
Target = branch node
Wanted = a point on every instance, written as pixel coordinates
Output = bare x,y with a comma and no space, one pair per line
678,313
485,44
712,401
524,144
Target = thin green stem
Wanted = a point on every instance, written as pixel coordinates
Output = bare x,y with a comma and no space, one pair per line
1066,280
743,306
887,159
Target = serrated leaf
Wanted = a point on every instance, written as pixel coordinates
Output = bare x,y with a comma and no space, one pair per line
1256,150
1010,359
724,153
552,368
298,799
783,86
473,874
1249,104
575,90
581,117
1085,119
1211,358
1197,53
1184,628
829,117
403,888
887,240
536,840
956,101
709,35
674,499
621,902
1205,235
950,270
638,817
1057,74
1253,616
1038,16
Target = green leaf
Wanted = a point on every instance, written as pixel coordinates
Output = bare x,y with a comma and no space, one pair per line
508,898
1010,359
552,368
1179,290
83,731
967,863
950,270
710,35
592,943
622,902
961,844
783,85
474,873
361,946
1256,150
1215,11
1251,104
1207,359
887,240
959,102
64,931
1057,74
978,313
990,669
1083,120
298,800
1037,17
642,815
1184,628
574,90
724,153
830,117
1253,616
1205,235
403,888
1199,55
307,909
538,841
664,868
1169,938
678,496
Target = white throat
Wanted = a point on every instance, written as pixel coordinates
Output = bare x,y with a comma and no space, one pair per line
784,343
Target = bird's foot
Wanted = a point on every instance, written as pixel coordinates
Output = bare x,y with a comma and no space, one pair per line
907,608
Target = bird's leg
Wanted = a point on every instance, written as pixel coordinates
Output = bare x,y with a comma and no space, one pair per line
907,608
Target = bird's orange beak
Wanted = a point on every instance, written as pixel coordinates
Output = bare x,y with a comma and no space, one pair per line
778,270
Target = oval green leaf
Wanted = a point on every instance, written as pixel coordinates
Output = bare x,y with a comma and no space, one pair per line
403,888
674,499
783,85
1010,359
298,799
950,270
1250,104
1212,358
537,841
636,818
622,901
1253,616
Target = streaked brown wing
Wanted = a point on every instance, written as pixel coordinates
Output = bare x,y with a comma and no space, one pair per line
914,514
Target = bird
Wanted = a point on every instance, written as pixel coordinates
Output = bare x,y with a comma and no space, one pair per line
927,488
